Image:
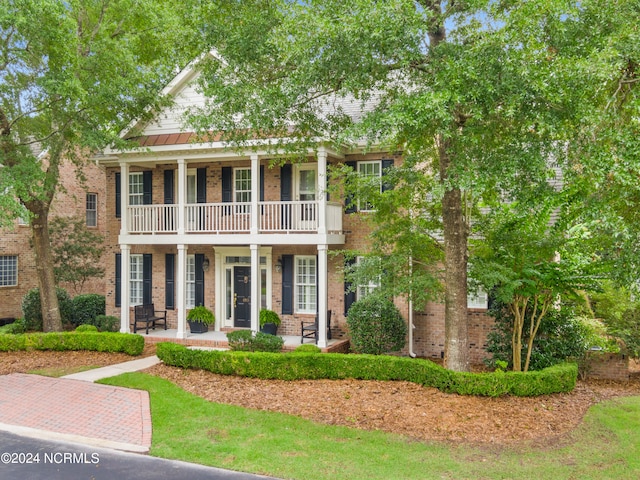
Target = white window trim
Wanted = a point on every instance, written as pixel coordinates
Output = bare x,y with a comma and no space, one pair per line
237,191
190,280
136,195
478,299
136,258
93,210
364,290
11,275
311,305
369,162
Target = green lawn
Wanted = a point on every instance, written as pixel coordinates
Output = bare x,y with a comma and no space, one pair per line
189,428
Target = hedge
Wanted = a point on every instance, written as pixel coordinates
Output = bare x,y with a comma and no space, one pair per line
61,341
311,366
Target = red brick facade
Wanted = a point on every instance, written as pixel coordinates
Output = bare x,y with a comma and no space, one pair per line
70,202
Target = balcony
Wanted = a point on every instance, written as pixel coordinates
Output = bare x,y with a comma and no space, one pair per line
236,218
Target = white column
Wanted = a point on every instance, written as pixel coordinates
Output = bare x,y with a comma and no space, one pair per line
124,198
322,287
322,191
255,287
255,193
182,196
180,291
125,280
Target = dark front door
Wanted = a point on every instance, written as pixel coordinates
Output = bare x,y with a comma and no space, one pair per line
242,296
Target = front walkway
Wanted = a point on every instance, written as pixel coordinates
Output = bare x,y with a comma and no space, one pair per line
219,340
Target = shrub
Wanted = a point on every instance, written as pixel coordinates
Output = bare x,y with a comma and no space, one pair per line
87,307
246,341
240,340
628,330
62,341
19,326
561,336
376,326
86,328
308,348
107,323
310,366
32,310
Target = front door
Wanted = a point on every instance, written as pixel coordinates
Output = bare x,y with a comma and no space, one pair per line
242,297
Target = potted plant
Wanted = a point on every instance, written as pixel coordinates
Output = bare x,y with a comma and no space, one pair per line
269,321
200,318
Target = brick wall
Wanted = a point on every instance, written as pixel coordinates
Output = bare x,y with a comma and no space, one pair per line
607,366
69,201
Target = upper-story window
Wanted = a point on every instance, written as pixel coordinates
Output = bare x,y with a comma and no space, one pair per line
92,209
8,270
136,188
369,170
242,185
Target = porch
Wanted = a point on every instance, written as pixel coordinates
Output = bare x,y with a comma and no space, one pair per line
217,339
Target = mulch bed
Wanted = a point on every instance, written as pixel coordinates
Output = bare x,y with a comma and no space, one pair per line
404,408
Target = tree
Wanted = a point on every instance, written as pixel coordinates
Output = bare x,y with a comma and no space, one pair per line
76,252
530,261
73,74
480,95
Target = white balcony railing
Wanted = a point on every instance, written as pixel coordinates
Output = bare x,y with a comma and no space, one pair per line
274,217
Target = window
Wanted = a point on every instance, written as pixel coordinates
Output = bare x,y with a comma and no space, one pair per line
92,209
136,189
136,278
8,270
242,185
364,290
478,299
305,284
190,292
369,170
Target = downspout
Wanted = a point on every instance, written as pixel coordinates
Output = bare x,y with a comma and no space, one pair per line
411,325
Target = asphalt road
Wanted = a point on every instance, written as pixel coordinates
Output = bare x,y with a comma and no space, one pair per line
35,459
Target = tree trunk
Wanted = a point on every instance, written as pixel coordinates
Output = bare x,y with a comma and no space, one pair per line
456,349
51,319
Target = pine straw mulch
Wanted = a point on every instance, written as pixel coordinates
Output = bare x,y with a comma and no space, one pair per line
404,408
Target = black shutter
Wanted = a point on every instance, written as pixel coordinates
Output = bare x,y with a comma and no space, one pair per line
147,188
147,268
170,281
287,284
349,296
262,183
199,279
350,205
118,194
227,184
201,180
169,187
386,164
118,279
285,182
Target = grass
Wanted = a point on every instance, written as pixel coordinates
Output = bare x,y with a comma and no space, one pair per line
189,428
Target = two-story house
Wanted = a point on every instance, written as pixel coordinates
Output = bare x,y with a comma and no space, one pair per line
192,222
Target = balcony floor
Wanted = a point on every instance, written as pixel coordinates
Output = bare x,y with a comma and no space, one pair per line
218,340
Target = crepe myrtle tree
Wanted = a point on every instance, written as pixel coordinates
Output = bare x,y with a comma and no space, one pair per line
73,74
480,94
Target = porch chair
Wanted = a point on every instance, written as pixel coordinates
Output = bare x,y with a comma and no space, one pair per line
310,329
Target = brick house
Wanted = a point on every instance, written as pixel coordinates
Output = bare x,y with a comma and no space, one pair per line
192,223
17,263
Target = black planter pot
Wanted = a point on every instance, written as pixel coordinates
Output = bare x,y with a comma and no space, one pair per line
270,328
198,327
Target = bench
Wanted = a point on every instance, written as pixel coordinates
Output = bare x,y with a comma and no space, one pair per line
311,329
148,315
